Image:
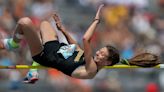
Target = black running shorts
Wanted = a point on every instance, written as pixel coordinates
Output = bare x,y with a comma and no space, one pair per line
49,56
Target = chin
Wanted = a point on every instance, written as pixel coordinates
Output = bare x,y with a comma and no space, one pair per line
96,60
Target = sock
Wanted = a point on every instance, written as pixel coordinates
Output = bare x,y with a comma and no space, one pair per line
13,44
34,64
10,44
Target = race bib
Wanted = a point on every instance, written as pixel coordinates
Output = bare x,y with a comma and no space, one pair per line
67,50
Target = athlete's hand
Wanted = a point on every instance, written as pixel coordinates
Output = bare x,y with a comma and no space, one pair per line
57,20
97,17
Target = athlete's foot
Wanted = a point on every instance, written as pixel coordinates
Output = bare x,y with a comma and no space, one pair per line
31,77
9,44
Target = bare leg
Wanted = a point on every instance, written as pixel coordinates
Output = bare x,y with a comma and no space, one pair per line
47,32
25,27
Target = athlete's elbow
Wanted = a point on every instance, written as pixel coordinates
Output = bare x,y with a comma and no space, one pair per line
85,38
91,75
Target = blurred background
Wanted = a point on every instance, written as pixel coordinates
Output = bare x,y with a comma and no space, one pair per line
133,26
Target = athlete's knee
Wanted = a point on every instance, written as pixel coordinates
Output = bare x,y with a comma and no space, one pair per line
25,21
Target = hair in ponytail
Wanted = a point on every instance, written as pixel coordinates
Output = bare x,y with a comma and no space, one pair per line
142,60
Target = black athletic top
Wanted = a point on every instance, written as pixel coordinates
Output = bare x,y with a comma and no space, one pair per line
69,65
50,58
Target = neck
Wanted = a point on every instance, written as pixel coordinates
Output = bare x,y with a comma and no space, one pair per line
99,67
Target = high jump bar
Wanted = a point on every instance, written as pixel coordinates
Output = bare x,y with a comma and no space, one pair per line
106,67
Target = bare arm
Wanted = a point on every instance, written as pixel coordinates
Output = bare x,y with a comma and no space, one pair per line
90,69
64,31
81,73
93,26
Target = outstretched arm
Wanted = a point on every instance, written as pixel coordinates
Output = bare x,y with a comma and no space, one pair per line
92,27
64,31
90,69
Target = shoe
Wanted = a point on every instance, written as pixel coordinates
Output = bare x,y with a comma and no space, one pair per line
31,78
9,44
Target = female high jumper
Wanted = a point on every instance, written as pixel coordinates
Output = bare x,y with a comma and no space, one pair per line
70,59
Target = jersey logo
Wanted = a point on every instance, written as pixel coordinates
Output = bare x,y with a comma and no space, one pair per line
67,50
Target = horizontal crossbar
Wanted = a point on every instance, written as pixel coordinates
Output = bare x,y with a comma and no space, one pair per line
107,67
